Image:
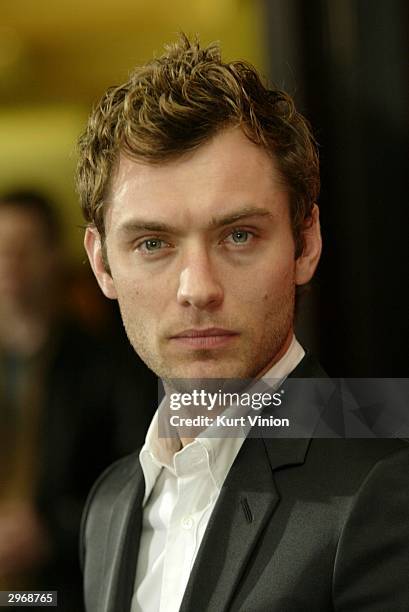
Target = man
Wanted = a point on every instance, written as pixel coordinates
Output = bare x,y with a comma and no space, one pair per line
29,263
199,188
56,387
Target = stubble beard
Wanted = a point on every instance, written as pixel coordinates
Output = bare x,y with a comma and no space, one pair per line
244,362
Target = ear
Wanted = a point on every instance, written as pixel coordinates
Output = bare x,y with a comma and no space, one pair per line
93,246
307,262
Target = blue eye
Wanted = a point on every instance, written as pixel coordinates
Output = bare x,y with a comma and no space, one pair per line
240,236
154,244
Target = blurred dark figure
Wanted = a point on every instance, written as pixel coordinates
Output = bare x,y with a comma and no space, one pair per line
67,407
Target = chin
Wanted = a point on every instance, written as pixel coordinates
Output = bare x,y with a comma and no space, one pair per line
207,370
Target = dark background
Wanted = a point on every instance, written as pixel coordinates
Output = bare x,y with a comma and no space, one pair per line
348,69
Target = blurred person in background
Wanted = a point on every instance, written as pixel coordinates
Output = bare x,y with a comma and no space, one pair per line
66,405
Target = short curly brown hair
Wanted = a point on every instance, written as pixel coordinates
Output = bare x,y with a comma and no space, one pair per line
175,103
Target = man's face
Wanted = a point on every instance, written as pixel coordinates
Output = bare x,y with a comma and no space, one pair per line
201,255
26,259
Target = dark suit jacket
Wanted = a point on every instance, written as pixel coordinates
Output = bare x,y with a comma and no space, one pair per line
300,525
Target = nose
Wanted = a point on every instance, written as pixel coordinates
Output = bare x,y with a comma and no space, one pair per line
198,286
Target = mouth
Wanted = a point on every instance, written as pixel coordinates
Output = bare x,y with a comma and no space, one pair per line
212,337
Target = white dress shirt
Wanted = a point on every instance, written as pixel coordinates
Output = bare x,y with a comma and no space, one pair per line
181,490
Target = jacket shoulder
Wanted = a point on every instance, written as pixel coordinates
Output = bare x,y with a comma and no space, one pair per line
104,493
355,455
372,551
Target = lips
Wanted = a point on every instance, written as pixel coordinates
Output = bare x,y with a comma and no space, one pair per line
208,332
211,337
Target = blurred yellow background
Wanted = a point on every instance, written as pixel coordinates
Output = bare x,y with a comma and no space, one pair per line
57,58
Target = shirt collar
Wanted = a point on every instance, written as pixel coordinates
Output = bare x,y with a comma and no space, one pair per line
288,362
158,453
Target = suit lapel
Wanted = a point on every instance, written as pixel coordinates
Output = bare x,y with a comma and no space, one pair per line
246,503
308,367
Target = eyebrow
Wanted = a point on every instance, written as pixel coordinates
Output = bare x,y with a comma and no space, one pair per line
247,211
136,225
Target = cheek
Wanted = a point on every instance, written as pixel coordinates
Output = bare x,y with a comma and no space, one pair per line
128,295
267,283
140,302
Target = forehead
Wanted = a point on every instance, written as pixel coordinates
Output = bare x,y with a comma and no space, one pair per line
227,172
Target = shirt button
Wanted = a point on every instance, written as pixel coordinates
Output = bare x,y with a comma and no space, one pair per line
187,522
